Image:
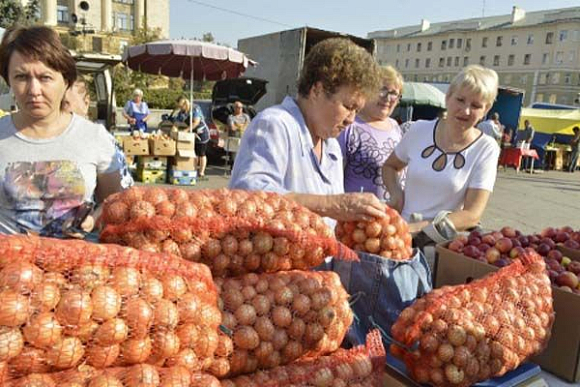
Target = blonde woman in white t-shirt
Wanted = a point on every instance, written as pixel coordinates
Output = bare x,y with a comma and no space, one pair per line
451,165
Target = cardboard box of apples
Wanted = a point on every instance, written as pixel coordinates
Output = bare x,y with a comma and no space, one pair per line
472,256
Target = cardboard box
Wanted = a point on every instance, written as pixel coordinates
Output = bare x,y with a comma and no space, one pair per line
183,163
562,356
152,176
184,144
568,252
158,163
162,146
136,146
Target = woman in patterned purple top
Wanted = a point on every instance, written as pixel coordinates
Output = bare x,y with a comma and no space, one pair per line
367,143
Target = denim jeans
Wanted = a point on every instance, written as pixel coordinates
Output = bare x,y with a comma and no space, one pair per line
380,289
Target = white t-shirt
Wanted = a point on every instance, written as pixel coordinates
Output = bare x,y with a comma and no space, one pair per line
428,191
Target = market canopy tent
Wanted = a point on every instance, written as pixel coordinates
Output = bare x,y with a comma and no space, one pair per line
551,121
417,93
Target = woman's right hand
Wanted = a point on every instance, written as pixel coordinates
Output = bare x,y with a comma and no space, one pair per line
355,206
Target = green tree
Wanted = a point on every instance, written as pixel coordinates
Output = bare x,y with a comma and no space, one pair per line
13,12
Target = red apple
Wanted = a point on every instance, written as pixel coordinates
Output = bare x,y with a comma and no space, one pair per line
524,241
508,232
471,251
552,264
492,255
561,237
543,249
461,238
483,247
455,245
567,229
516,242
517,252
473,240
549,242
534,239
567,278
489,239
497,235
504,245
502,262
475,234
574,267
575,236
549,232
555,254
553,274
572,244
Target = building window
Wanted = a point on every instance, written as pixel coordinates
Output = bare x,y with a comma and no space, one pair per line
408,47
62,14
123,21
531,39
563,35
451,43
499,41
465,61
406,63
539,97
468,44
544,78
427,63
417,63
444,44
549,37
552,98
567,79
484,42
496,60
559,57
545,58
449,59
507,79
418,47
429,46
441,62
514,40
556,79
482,60
398,48
511,59
456,61
124,1
527,59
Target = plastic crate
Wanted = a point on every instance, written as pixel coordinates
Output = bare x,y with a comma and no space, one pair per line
152,176
181,173
183,180
157,163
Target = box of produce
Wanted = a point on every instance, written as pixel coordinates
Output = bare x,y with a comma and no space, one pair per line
135,146
162,146
152,176
472,257
152,163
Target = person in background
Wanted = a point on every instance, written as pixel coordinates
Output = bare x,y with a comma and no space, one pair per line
575,145
52,163
528,132
137,112
451,165
77,100
292,149
238,121
492,127
368,142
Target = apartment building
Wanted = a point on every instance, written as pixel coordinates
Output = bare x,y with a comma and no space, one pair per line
111,23
535,51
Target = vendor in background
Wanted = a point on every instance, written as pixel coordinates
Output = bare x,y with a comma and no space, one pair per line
528,133
575,145
238,121
451,165
492,127
77,100
292,148
51,162
368,142
137,112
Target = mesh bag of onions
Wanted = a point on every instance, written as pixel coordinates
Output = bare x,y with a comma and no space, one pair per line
139,375
272,319
361,366
388,237
66,303
459,335
232,231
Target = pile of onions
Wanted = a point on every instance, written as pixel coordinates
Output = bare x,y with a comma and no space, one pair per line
274,319
114,307
388,237
234,232
469,333
142,375
359,366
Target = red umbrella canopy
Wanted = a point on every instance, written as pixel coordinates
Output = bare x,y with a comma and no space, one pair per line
177,58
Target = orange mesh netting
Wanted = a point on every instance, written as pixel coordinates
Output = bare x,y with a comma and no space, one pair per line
67,303
459,335
388,237
232,231
362,366
273,319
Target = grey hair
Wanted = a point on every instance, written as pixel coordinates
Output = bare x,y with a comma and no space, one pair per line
138,92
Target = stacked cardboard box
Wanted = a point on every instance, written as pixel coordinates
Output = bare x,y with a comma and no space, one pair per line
182,169
152,169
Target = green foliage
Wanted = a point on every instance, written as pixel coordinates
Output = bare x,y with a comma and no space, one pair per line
13,12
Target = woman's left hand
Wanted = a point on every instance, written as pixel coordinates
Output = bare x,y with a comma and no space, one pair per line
356,206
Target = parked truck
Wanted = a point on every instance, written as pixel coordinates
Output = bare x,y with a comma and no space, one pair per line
280,57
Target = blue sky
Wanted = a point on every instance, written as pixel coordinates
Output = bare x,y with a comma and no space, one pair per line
190,18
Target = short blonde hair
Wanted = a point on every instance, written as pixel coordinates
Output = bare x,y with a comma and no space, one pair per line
478,79
138,92
185,101
390,74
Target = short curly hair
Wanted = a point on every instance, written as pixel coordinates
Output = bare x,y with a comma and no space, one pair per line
338,62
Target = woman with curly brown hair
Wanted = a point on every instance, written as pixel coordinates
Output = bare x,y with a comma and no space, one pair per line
292,149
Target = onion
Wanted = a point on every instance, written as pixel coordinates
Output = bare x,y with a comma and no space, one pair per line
297,328
105,380
83,332
43,330
135,351
106,303
126,281
279,340
54,278
165,344
188,307
264,328
207,342
35,380
281,316
138,315
29,361
246,338
225,346
261,304
11,343
141,209
361,366
14,308
188,334
20,276
186,358
66,353
89,276
204,380
102,357
165,314
263,243
151,289
75,307
111,332
45,297
141,375
245,314
173,287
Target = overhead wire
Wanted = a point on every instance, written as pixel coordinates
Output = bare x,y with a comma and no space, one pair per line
239,13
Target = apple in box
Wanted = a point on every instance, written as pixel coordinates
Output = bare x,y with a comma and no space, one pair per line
567,278
504,245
